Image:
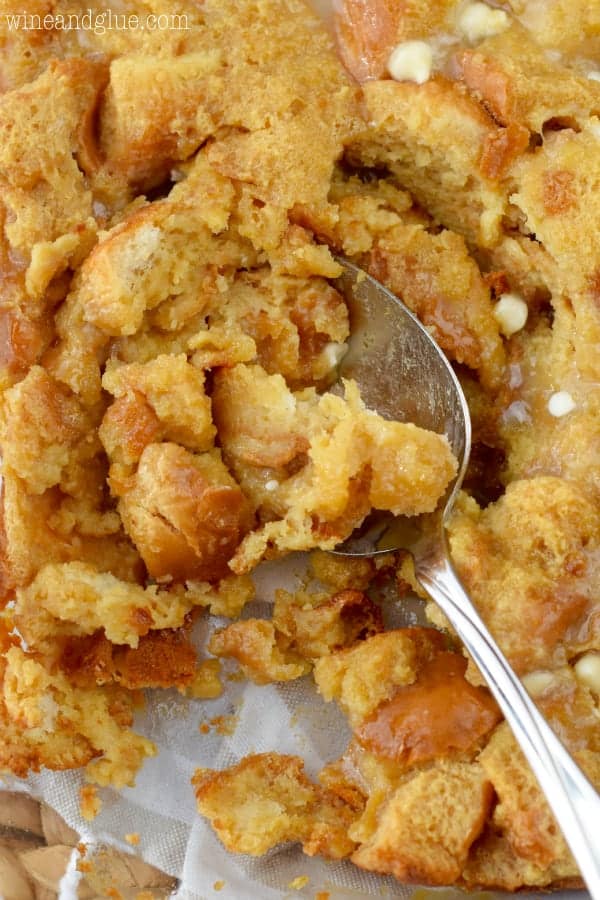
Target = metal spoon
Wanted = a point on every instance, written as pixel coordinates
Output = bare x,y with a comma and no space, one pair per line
403,375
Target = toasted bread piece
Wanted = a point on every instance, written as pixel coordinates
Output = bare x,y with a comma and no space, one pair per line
411,704
86,601
265,426
528,562
427,827
55,505
360,686
304,627
61,726
46,128
184,512
434,139
162,659
520,83
267,800
258,648
315,625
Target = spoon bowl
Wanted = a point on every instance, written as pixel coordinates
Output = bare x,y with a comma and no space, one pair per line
403,375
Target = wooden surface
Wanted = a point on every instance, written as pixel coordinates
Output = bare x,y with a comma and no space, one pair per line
36,846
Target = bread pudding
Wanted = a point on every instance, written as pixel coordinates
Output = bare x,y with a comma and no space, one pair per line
172,204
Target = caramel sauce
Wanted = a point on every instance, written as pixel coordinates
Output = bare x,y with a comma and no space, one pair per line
440,713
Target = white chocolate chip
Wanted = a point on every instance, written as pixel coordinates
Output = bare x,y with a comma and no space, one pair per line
560,404
593,76
334,353
411,61
511,313
478,21
271,485
587,670
535,683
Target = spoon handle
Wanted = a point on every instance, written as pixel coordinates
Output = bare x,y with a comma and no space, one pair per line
574,802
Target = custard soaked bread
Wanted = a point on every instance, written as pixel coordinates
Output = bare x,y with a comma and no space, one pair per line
171,205
151,347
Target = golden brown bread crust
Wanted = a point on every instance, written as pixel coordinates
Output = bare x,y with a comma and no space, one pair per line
439,714
162,659
446,130
467,332
521,84
49,722
419,823
426,830
184,513
54,484
467,812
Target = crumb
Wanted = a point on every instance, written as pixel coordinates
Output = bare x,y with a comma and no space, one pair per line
133,838
225,725
206,681
298,883
218,885
90,802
